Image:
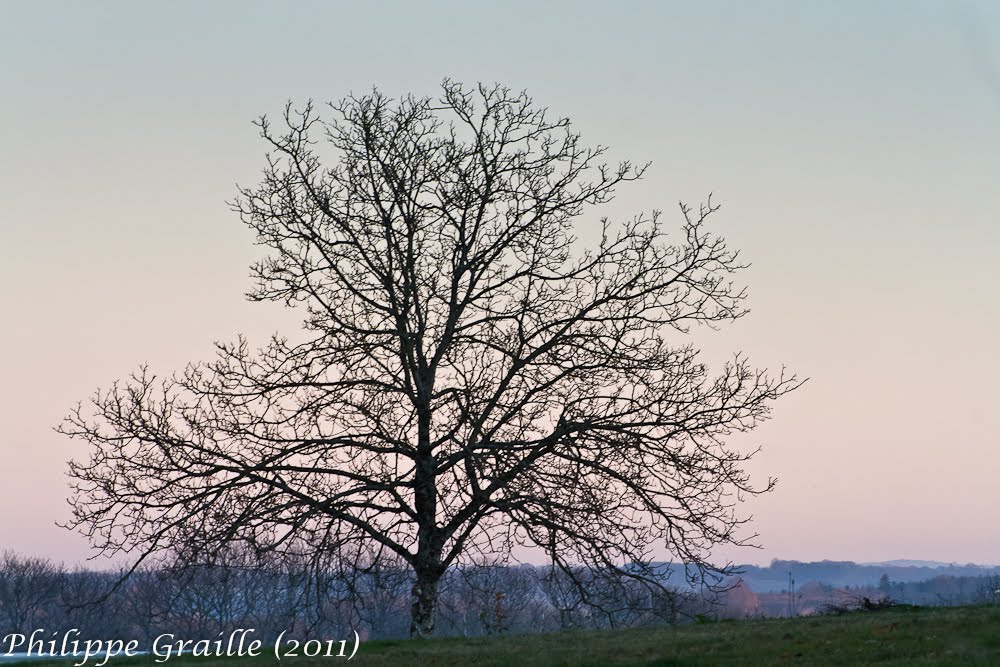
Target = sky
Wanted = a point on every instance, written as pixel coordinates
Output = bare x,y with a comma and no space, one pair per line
854,147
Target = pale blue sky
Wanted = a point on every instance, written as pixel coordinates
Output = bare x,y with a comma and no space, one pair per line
855,147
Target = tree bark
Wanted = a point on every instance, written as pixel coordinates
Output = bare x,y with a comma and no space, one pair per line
427,565
425,594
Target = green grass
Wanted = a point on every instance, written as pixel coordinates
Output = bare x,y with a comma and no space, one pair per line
906,636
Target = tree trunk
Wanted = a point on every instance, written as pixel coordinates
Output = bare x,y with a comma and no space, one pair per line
425,595
427,566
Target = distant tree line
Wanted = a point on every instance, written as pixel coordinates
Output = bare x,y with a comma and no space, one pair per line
840,574
747,599
300,599
201,601
945,590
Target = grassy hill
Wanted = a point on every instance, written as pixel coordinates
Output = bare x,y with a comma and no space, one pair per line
904,636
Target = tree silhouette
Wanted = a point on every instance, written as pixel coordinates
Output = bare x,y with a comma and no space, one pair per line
471,377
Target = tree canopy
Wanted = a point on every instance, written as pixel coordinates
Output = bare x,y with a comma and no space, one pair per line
472,377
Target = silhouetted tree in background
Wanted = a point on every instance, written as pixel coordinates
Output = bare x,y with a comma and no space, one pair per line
29,586
472,377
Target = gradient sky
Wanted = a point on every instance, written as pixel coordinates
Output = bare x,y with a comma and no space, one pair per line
855,147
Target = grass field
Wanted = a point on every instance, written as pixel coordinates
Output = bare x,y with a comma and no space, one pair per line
905,636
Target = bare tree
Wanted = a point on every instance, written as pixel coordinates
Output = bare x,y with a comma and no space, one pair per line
378,591
86,605
471,376
29,591
486,599
145,602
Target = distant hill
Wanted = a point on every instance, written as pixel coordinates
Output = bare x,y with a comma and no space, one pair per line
903,562
848,573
